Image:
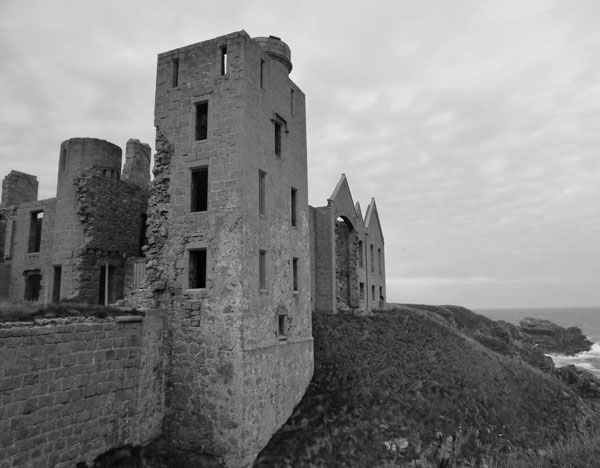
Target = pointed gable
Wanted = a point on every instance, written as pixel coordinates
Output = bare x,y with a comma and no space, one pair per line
372,219
341,199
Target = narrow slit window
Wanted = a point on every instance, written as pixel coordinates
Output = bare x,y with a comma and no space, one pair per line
175,73
381,298
199,195
56,284
379,261
35,231
373,292
63,159
372,259
293,204
262,181
277,126
262,269
362,290
197,269
201,121
223,60
262,73
295,274
292,101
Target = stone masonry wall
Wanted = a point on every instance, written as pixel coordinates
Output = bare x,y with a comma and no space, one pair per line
73,388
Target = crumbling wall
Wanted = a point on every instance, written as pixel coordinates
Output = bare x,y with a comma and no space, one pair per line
17,188
112,213
73,388
346,251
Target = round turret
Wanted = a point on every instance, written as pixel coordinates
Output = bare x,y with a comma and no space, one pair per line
81,154
275,48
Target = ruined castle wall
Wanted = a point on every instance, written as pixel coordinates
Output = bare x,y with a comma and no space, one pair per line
74,388
111,213
277,363
323,251
17,188
24,257
203,398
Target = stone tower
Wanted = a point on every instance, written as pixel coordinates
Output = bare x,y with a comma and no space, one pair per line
228,233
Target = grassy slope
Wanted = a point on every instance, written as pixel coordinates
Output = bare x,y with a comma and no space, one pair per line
410,375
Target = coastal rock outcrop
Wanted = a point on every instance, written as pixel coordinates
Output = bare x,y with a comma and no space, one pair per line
552,338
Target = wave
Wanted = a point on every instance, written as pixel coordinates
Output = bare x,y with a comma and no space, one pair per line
589,360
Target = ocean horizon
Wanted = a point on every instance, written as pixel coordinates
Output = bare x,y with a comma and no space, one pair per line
585,318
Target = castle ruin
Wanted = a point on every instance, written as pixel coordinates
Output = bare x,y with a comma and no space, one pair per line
221,244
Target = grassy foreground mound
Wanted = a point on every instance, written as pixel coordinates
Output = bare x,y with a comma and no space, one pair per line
419,388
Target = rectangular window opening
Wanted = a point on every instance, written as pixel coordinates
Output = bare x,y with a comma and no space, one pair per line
381,298
35,231
197,269
373,292
293,204
201,121
362,290
295,274
262,180
361,255
277,126
372,259
223,60
56,283
262,269
282,326
175,73
33,285
262,73
379,261
199,195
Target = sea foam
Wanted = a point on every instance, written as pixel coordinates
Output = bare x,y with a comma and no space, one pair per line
588,360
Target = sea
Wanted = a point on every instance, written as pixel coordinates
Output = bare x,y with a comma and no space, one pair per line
586,318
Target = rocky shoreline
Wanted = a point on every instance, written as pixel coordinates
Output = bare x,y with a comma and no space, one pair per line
552,338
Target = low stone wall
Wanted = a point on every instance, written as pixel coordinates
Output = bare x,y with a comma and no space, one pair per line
73,388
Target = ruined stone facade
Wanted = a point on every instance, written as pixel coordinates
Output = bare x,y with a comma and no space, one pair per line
232,254
347,253
80,244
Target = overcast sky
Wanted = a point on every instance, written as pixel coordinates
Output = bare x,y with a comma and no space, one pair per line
474,124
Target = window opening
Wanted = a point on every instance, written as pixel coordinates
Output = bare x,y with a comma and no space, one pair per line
373,292
262,180
277,138
361,254
103,285
33,285
362,290
262,73
197,269
292,101
372,259
201,121
282,326
199,196
379,261
175,73
381,298
295,274
293,204
223,60
56,283
262,269
35,231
